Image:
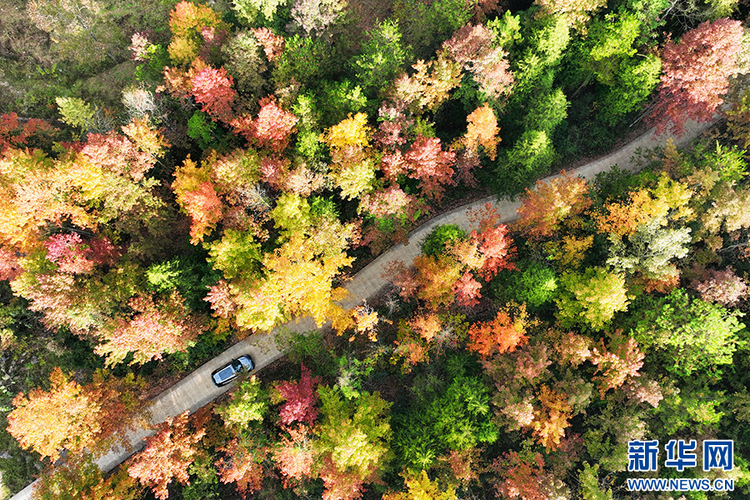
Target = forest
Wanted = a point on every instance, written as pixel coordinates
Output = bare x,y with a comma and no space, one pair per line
176,177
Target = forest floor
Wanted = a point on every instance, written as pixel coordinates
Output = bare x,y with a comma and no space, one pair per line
196,389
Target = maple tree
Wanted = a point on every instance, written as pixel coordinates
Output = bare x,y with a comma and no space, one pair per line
248,403
695,73
429,86
551,420
79,478
271,129
242,464
300,399
576,12
194,27
212,88
723,287
295,455
168,455
521,476
14,134
622,360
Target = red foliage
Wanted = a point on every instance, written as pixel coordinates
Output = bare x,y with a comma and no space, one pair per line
73,255
427,162
544,208
118,154
467,290
242,465
695,73
300,397
295,456
495,246
167,456
213,88
340,485
472,47
723,287
10,268
521,478
623,361
388,202
13,134
272,129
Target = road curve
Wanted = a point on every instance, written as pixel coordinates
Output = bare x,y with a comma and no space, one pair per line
197,389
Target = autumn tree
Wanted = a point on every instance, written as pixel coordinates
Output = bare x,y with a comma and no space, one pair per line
271,129
353,441
615,364
242,463
577,13
353,164
473,48
248,404
70,418
155,328
524,476
168,455
543,210
723,287
79,478
503,334
591,298
482,131
299,273
17,134
695,73
300,398
420,487
195,30
314,16
212,88
430,85
295,455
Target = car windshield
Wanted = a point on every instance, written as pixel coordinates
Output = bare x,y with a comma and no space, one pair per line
225,373
237,365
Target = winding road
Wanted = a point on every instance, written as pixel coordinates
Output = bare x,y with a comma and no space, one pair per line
197,389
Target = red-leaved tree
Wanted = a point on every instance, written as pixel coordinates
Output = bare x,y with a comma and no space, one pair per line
300,397
272,129
168,455
213,88
695,72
